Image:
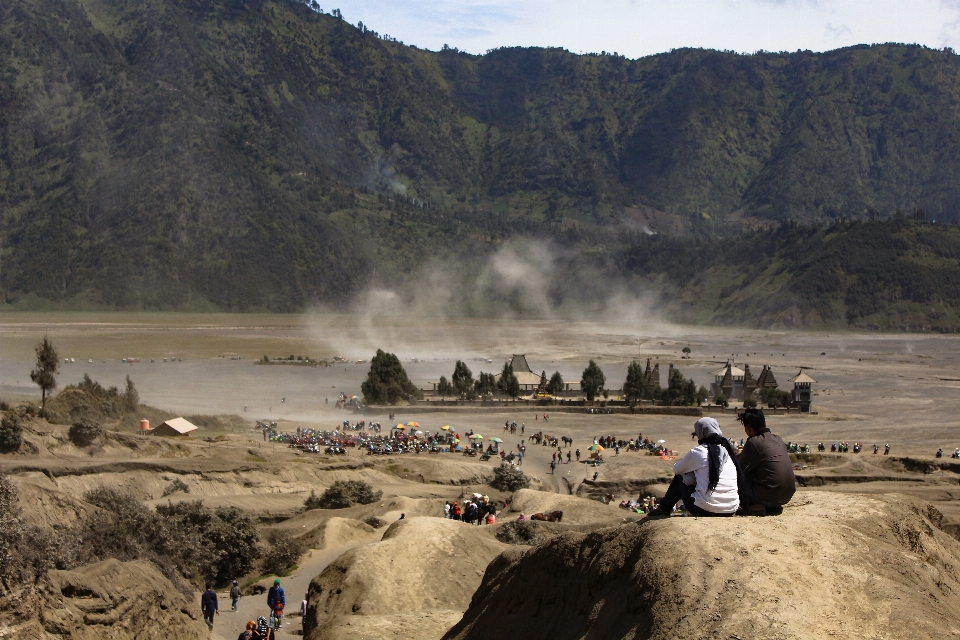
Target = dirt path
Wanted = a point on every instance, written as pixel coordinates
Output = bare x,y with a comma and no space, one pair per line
229,625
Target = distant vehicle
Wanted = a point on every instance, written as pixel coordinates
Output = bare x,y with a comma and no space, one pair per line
90,361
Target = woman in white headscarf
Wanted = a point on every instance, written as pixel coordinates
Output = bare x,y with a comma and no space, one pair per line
706,478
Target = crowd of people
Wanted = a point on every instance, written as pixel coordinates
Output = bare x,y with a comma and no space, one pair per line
478,509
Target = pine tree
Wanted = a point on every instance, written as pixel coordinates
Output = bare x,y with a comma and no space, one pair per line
48,365
462,378
633,387
508,383
387,381
592,381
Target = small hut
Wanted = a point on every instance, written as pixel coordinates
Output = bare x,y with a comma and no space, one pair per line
175,428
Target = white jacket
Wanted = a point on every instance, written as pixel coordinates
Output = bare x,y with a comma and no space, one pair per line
725,497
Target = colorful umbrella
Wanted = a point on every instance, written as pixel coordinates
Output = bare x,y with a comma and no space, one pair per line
413,424
477,436
496,439
401,426
594,447
445,427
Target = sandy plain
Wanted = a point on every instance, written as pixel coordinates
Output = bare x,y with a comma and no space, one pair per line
896,388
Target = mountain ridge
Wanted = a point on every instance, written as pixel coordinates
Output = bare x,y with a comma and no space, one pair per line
261,156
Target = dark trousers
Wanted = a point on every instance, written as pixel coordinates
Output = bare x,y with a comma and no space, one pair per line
678,491
750,496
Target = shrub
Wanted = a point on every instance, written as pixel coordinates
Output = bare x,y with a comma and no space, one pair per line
721,401
11,433
282,553
11,528
187,538
176,485
342,494
509,478
375,522
749,403
85,432
520,532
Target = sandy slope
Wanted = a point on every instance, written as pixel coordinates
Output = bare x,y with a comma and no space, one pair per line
119,600
419,577
831,566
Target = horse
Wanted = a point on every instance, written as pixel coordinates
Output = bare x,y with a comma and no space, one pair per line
567,441
553,516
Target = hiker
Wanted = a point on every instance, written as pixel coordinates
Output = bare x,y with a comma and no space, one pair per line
767,482
247,634
303,606
568,457
235,594
706,478
886,450
276,600
578,455
262,630
208,605
446,510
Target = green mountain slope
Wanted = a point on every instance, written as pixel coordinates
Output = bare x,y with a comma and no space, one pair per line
892,275
175,154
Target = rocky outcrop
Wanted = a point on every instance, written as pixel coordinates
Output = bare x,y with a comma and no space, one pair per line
832,565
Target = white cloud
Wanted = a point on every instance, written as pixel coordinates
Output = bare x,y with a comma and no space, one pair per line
641,27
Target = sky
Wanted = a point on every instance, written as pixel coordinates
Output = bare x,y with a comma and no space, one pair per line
636,28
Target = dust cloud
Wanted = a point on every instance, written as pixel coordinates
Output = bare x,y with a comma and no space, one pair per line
524,283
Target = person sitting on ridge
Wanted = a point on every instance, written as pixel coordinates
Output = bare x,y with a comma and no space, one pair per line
768,482
706,478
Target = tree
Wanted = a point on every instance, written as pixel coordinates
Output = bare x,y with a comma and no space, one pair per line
486,383
11,433
444,388
48,365
85,432
679,391
387,381
633,386
555,386
686,350
508,383
131,397
592,381
773,397
462,378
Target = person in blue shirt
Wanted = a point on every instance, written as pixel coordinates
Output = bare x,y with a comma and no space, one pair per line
208,605
276,600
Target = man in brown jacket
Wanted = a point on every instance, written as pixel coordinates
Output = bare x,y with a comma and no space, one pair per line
768,481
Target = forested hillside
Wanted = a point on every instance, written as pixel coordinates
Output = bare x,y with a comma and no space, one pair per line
246,155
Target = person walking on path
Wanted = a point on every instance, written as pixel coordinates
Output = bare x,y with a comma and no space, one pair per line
276,600
263,630
235,594
247,634
208,605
